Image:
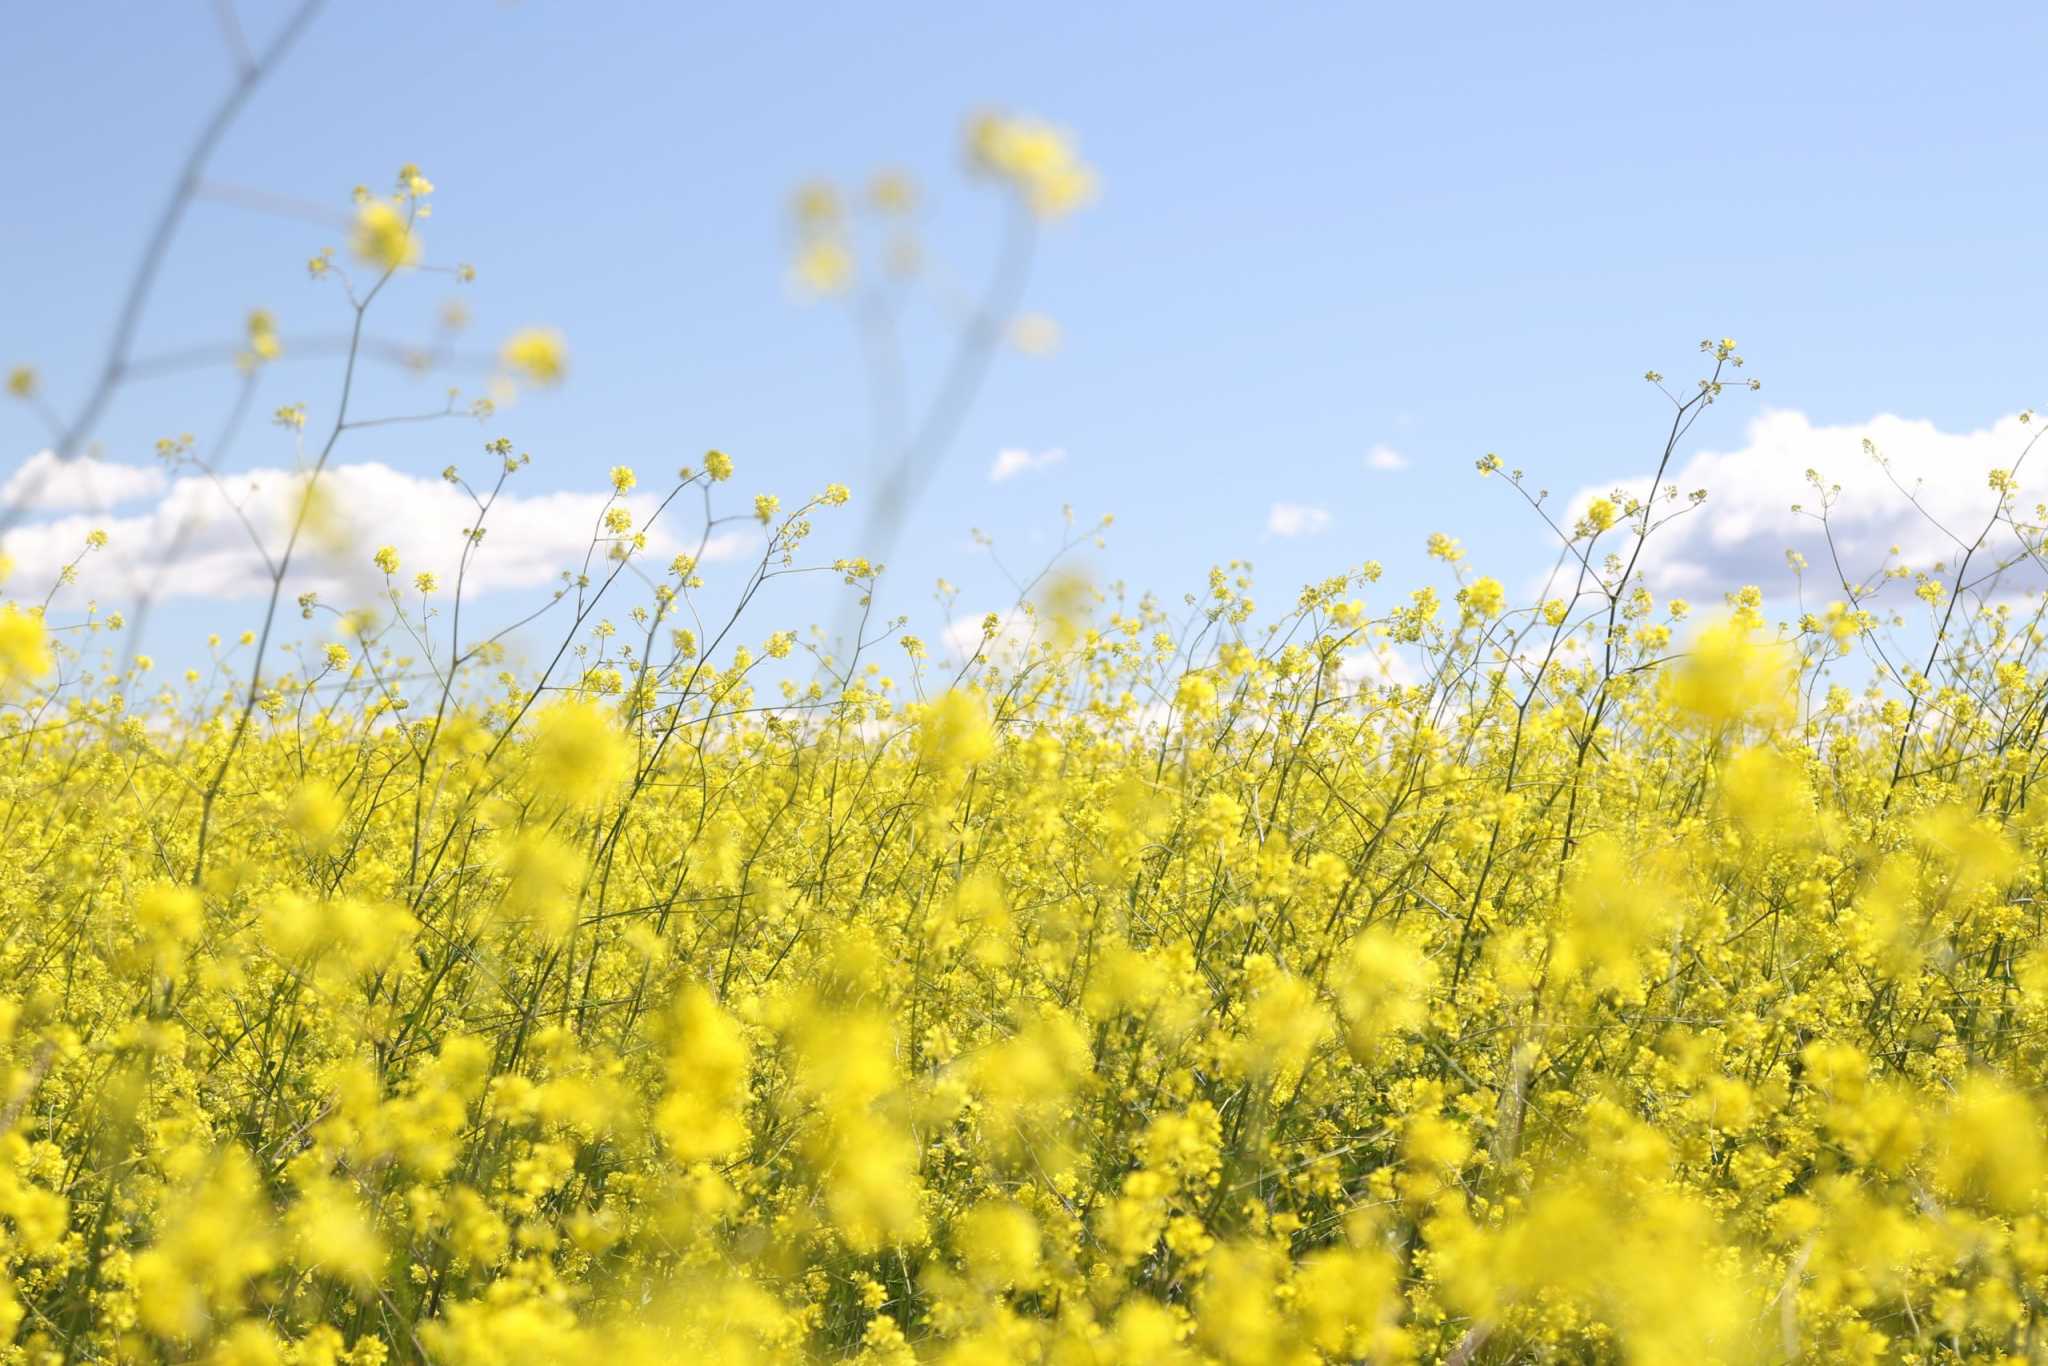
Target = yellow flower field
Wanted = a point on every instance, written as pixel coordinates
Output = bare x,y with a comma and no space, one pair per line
1397,976
1150,988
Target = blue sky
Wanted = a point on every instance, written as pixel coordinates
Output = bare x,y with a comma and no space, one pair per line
1321,230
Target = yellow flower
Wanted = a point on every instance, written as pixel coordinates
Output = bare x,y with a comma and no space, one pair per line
893,192
24,646
1483,599
332,1234
824,266
700,1118
1196,695
1730,677
1384,990
815,207
383,237
1002,1247
264,344
578,752
213,1237
1034,157
315,812
537,353
954,732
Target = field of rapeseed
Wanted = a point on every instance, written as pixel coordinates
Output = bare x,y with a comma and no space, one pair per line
1627,981
1147,989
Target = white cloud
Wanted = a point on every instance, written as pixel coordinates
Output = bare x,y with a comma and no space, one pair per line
1741,534
1297,519
45,483
965,635
1015,461
1385,457
194,543
1381,664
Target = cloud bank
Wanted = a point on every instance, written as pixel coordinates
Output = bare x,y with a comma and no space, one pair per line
200,539
1740,535
48,484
